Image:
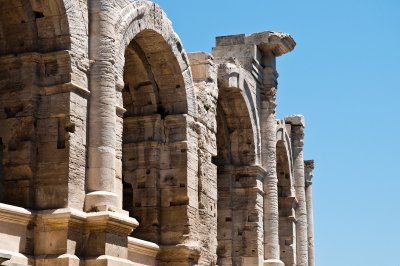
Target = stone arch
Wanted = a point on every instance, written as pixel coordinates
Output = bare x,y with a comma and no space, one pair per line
237,120
286,196
237,159
155,88
139,16
285,148
43,74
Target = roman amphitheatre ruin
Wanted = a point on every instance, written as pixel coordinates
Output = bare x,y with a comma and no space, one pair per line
119,148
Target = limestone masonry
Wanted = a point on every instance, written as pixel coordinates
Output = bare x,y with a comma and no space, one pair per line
119,148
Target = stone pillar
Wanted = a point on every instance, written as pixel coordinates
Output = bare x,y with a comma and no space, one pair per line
101,174
308,172
297,135
268,160
257,54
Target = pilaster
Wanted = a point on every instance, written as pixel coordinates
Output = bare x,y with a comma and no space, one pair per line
271,45
103,188
297,136
203,132
308,171
268,157
240,217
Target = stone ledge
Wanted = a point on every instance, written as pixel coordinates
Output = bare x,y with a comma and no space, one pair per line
105,260
93,217
4,257
62,217
13,258
63,88
111,220
278,42
65,259
34,55
143,247
10,213
273,262
252,169
179,253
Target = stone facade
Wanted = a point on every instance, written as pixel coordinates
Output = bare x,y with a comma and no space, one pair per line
119,148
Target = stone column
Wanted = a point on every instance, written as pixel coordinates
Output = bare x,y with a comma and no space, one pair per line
308,171
268,160
297,135
102,110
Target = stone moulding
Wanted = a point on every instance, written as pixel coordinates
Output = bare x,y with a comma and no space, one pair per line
18,221
13,214
280,43
67,87
45,222
179,253
111,221
4,257
89,221
143,247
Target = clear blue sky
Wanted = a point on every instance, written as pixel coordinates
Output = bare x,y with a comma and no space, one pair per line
344,76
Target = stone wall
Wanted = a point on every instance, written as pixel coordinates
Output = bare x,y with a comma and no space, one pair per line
119,148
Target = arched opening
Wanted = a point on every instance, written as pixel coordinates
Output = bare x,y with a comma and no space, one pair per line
37,128
237,211
286,202
18,34
235,138
154,148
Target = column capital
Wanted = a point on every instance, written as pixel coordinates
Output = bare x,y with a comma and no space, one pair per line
297,123
251,50
295,120
257,53
278,43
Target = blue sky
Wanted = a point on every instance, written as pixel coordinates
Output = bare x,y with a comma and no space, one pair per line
344,76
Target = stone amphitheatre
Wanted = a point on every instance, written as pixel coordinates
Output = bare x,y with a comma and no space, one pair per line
119,148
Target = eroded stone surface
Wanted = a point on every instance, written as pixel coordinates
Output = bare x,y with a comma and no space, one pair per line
119,148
